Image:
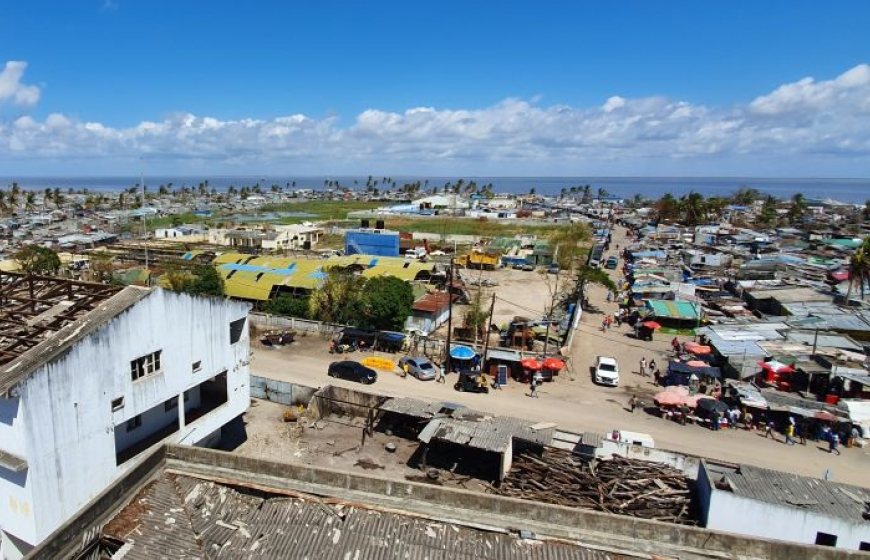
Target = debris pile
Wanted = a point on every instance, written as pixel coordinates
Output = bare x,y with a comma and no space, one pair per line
618,485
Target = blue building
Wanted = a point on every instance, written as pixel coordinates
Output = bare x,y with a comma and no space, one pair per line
378,242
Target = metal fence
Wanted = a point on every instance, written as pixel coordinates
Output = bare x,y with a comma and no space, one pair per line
282,392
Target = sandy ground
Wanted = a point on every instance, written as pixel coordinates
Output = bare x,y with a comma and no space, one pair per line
335,442
572,400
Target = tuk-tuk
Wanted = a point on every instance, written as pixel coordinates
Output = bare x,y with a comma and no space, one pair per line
470,382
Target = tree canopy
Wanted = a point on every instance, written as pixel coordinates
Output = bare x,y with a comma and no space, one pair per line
34,259
387,302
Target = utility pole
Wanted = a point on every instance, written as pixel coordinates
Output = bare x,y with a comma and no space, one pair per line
488,329
449,313
144,225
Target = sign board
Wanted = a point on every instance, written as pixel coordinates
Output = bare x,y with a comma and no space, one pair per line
501,376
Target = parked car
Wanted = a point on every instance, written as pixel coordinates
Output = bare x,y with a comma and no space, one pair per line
352,371
421,368
553,269
607,371
611,263
528,267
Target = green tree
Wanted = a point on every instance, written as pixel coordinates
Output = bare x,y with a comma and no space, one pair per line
746,196
797,209
387,303
338,299
693,208
292,306
667,208
567,244
206,281
34,259
859,269
768,215
592,275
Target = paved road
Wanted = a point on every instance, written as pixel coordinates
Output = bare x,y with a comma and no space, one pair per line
576,404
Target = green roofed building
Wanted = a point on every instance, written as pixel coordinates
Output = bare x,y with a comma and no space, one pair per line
673,312
261,278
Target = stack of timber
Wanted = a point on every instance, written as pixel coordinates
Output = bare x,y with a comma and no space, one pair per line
618,485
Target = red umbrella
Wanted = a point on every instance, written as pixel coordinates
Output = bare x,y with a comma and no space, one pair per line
668,398
775,366
554,364
651,325
530,363
695,348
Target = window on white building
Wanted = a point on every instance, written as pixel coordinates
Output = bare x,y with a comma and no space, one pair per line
145,366
117,404
236,329
826,539
134,423
197,366
170,404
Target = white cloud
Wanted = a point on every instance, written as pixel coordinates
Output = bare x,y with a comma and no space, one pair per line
793,129
11,88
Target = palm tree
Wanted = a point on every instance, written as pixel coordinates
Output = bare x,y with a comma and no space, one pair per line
667,207
602,193
4,206
693,208
859,269
30,201
768,214
797,209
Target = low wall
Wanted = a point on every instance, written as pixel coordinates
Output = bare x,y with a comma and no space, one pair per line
339,400
264,321
592,528
282,392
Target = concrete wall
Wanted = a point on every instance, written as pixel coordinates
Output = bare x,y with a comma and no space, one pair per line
725,511
67,408
339,400
16,514
266,321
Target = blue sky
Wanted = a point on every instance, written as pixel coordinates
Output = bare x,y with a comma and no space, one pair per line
514,86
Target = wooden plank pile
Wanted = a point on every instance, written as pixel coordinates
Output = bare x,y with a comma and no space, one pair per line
618,485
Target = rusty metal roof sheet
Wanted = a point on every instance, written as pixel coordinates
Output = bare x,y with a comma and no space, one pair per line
178,516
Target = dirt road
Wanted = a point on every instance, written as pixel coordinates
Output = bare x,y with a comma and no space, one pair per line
578,405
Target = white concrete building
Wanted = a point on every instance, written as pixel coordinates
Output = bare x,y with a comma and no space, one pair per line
294,237
770,504
115,375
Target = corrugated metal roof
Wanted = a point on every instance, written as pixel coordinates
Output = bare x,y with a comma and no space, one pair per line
812,494
470,428
178,516
668,309
248,277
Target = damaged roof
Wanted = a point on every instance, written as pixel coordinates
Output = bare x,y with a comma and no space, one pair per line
58,341
178,516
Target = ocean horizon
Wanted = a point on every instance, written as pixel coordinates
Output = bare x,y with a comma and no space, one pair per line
849,190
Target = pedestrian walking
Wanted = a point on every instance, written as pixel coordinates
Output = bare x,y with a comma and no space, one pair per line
675,345
405,369
802,430
441,377
533,385
768,431
643,365
789,435
834,443
747,420
652,366
714,421
632,403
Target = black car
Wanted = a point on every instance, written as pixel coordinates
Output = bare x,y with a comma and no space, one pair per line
353,371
